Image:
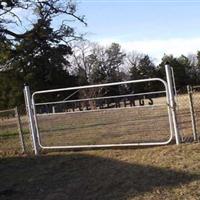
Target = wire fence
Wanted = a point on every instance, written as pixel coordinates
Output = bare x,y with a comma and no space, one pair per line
120,119
196,105
113,126
183,115
14,133
188,113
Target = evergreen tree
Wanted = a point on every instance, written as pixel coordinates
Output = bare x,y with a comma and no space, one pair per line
39,55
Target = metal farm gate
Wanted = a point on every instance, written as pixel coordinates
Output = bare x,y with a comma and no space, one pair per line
120,114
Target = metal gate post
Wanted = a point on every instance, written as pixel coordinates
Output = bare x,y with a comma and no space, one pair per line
192,113
28,103
172,103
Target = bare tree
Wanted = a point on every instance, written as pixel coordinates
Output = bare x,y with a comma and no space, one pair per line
80,61
133,59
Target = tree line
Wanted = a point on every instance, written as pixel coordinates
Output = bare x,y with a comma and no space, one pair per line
46,56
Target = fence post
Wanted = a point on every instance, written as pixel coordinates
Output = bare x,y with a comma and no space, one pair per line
192,113
19,124
53,109
29,110
172,103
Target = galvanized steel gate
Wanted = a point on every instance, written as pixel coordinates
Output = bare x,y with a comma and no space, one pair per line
104,104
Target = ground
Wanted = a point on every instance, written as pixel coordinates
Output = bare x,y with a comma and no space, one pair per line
167,172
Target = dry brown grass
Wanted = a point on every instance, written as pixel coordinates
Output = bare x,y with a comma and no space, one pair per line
126,125
168,172
9,135
104,127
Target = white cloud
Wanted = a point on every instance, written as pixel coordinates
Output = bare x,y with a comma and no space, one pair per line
157,48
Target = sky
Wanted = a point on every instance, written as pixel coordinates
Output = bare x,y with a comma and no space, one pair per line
153,27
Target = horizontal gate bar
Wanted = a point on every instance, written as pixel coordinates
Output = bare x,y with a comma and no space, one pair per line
107,145
100,85
99,98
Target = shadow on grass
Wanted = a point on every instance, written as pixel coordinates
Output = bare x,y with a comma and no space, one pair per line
82,176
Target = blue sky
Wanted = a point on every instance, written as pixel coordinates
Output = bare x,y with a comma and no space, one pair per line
147,26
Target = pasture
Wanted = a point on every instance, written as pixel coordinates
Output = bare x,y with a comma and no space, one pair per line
124,125
165,172
102,126
120,125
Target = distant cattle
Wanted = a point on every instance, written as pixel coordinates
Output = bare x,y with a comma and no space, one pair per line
94,104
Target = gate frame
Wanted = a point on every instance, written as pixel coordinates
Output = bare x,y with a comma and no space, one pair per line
171,109
32,127
172,102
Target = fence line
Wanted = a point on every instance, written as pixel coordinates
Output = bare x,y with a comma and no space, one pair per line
11,126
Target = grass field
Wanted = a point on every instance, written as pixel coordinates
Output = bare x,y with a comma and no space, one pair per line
168,172
120,125
124,125
165,172
9,135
